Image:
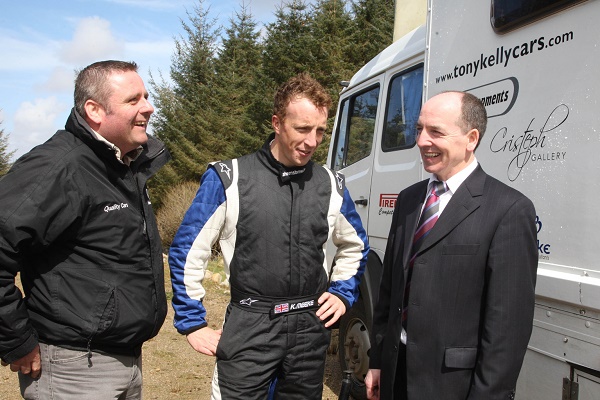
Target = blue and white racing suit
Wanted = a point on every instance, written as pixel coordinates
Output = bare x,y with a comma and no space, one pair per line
272,224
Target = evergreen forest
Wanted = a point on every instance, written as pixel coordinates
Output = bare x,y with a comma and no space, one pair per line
216,101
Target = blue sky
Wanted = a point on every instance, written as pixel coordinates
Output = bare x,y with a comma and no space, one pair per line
43,42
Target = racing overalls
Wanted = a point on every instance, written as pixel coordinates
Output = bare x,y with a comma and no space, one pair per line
273,224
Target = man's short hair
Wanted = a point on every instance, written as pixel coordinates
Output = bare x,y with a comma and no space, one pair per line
297,87
472,115
92,83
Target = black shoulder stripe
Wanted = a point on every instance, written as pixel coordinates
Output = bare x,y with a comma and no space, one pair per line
340,182
225,171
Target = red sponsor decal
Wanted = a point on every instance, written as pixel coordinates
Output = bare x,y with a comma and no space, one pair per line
388,200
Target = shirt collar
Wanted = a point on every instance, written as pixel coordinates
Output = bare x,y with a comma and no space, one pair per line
126,159
454,182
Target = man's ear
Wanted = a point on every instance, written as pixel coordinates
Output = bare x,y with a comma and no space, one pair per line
473,139
94,111
275,121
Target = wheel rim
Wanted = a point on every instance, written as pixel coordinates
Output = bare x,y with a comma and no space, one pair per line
356,347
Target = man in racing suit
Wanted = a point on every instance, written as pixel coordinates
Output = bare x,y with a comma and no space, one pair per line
273,212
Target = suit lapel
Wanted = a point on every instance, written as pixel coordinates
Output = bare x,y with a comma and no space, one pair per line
467,199
412,219
409,209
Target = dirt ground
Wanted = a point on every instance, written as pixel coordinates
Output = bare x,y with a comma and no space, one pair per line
172,370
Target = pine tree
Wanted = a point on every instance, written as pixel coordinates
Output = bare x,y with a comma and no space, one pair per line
289,46
331,25
184,117
237,68
5,155
373,29
218,101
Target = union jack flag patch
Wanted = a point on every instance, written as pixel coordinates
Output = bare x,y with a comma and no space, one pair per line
281,308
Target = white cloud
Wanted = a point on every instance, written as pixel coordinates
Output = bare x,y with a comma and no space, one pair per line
151,56
93,40
61,79
20,55
35,122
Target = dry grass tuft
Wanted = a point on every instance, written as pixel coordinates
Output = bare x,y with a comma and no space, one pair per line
170,215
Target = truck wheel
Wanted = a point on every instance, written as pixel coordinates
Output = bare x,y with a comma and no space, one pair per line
354,346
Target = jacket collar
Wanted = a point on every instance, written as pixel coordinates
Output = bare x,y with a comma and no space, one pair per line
104,149
466,200
126,159
285,173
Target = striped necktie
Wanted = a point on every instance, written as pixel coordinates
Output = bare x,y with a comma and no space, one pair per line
429,217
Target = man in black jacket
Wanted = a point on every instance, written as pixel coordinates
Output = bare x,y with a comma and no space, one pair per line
77,224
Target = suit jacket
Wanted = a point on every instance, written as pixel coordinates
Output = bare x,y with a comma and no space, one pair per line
471,297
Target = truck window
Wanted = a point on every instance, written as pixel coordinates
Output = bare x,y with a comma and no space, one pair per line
512,14
403,108
356,128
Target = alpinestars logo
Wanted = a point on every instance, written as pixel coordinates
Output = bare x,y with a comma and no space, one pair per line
226,169
248,302
340,180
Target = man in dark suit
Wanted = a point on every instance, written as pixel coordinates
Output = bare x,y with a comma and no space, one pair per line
455,308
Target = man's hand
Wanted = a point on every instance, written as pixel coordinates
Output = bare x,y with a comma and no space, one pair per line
330,306
372,384
205,340
30,364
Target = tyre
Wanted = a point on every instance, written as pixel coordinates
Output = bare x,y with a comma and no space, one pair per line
354,345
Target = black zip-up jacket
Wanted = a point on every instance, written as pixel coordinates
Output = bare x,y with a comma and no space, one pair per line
78,226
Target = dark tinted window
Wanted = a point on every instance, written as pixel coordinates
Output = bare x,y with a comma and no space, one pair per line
511,14
403,108
356,128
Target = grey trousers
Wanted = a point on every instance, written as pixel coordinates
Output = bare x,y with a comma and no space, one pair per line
72,375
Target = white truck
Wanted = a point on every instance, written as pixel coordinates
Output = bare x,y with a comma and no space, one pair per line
534,64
